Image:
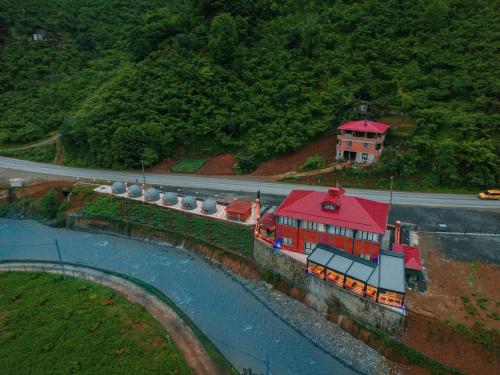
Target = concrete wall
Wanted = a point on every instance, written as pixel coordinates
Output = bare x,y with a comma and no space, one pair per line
320,295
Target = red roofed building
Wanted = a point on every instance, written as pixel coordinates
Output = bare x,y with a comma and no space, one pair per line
413,265
361,141
354,225
239,210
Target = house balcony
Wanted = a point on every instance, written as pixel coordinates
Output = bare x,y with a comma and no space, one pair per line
350,137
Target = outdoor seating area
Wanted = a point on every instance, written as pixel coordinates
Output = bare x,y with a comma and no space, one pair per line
383,282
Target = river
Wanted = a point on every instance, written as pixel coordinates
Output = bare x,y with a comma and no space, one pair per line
238,324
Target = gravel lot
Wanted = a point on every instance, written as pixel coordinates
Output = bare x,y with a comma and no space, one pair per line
469,248
457,219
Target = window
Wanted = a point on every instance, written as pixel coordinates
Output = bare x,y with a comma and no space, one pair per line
365,146
309,247
329,206
365,256
367,236
287,241
364,157
378,146
349,143
341,231
312,225
287,221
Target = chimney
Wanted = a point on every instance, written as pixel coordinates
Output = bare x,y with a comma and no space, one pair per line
335,191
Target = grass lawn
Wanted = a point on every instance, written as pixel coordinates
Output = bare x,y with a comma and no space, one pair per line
53,326
42,154
188,165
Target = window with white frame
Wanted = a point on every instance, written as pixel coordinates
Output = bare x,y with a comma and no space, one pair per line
329,206
287,241
312,225
309,247
364,157
287,221
367,236
366,145
349,143
341,231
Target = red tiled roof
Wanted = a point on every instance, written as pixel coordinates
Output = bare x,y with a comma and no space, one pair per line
365,126
353,212
239,207
267,219
411,254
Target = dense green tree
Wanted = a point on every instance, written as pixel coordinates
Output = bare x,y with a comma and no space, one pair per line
156,79
222,38
436,14
445,165
48,205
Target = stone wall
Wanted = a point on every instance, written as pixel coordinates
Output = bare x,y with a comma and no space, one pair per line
320,295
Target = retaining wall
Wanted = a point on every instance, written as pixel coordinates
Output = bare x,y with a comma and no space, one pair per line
321,296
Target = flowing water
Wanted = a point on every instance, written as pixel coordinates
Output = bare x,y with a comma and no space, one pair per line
238,324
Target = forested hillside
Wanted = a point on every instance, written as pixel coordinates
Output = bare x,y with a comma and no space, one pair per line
147,79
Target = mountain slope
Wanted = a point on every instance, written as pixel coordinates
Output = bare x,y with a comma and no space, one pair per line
147,80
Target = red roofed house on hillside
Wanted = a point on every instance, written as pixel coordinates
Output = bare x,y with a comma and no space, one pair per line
355,225
361,141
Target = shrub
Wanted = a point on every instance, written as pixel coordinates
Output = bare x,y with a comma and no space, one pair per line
313,162
48,205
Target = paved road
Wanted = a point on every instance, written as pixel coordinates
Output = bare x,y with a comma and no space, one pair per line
241,326
242,185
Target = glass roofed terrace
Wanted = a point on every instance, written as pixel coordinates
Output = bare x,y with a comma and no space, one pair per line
383,282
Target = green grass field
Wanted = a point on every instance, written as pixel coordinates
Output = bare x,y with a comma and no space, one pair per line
53,326
188,165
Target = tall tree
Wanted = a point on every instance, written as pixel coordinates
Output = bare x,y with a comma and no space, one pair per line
222,38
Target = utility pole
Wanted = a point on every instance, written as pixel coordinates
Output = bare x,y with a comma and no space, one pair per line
390,198
143,175
60,258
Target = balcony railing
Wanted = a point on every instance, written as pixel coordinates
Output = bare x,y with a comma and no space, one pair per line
362,139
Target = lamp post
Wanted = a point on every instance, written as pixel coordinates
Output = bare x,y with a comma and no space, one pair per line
61,263
143,175
390,197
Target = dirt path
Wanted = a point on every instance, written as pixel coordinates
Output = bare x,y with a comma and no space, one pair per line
193,351
43,142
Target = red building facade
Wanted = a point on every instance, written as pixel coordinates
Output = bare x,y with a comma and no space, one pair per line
354,225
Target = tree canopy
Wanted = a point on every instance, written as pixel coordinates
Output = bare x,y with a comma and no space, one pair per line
150,79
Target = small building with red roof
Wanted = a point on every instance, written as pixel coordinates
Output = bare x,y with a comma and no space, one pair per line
355,225
239,210
361,141
413,264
